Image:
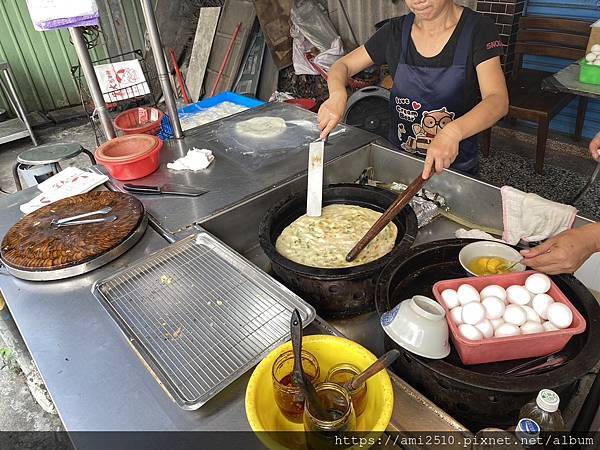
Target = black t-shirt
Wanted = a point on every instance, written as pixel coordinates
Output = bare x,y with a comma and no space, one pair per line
384,47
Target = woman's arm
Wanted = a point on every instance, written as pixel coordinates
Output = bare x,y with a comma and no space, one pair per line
565,252
332,110
493,106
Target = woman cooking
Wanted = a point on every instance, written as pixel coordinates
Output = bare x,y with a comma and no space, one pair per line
443,57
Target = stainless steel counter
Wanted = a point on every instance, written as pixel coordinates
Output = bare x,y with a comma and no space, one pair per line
241,170
92,373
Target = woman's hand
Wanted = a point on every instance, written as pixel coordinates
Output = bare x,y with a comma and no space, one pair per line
443,151
563,253
595,147
331,112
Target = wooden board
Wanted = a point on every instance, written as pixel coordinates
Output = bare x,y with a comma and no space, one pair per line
274,17
34,244
205,33
234,12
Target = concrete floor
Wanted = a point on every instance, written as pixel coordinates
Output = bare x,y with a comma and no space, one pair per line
568,166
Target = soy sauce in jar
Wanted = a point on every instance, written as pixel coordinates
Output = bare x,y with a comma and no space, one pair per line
323,433
342,374
289,398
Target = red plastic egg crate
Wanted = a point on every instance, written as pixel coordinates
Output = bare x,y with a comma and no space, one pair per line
510,347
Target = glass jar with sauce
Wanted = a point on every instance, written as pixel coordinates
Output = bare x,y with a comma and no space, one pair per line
321,433
288,397
342,374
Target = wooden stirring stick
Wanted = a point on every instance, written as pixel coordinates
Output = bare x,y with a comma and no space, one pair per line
402,200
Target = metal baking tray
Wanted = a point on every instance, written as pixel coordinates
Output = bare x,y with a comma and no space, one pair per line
200,315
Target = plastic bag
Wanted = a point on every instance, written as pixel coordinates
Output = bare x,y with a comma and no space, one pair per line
313,23
324,60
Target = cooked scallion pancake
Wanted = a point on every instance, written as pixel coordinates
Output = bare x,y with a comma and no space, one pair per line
325,241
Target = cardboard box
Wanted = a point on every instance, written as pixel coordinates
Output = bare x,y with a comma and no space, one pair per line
594,36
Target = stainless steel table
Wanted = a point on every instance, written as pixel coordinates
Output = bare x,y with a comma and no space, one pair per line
92,373
18,127
235,175
567,80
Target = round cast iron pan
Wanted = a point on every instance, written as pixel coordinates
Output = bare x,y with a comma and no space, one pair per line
416,273
285,212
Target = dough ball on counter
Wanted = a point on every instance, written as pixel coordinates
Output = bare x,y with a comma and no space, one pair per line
261,127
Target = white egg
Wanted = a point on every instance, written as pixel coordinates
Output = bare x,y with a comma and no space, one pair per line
497,322
538,283
494,307
467,294
515,315
473,313
450,298
590,57
548,326
595,48
507,329
456,315
540,304
493,290
531,327
532,316
486,328
470,332
518,295
559,315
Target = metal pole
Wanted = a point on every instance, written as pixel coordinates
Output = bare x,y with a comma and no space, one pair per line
92,82
161,66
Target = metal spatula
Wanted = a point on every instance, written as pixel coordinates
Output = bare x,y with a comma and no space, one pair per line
314,198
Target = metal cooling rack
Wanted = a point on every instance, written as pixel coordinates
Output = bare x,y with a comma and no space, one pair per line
200,315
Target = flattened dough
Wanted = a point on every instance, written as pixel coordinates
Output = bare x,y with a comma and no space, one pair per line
261,127
325,241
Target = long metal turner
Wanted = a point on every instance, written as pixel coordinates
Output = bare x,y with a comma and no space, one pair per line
403,199
314,197
298,376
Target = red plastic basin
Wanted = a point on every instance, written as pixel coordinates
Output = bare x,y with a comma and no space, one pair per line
130,157
510,347
142,120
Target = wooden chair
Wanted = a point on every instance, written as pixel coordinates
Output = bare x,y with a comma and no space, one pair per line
543,36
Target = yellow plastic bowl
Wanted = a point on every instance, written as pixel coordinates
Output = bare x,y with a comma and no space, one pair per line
264,415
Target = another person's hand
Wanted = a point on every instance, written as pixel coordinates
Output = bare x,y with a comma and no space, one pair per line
563,253
595,147
331,113
442,152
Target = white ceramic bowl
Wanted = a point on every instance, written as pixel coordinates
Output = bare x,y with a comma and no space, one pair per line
419,326
489,248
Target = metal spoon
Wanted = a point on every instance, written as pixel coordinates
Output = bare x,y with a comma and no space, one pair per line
298,376
383,362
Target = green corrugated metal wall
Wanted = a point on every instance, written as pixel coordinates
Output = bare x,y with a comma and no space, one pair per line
41,61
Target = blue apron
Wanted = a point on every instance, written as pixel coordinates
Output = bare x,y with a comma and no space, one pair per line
424,99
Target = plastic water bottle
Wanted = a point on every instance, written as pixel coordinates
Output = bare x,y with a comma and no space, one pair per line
539,416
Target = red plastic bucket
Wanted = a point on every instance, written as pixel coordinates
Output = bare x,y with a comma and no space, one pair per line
306,103
142,120
130,157
511,347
